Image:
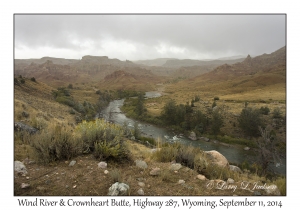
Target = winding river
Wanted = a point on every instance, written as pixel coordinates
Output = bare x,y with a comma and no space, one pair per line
234,154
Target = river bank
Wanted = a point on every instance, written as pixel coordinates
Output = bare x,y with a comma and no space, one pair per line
234,153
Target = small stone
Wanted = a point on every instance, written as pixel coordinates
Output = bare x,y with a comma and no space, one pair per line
272,190
27,177
20,168
176,172
256,193
141,164
201,177
74,186
67,186
181,181
118,189
246,148
25,185
230,181
235,168
72,163
148,185
141,184
41,188
106,172
102,165
175,167
47,181
141,191
155,172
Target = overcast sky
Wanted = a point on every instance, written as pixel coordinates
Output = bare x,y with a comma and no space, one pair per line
136,37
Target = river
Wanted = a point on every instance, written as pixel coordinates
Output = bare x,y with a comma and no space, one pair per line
234,154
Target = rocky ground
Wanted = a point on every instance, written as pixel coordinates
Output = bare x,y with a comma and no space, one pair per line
86,176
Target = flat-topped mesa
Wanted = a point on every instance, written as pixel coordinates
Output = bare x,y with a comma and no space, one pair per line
104,60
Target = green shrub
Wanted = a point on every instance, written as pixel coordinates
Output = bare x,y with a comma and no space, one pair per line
216,98
22,81
250,120
214,104
116,176
281,184
277,113
264,110
33,79
167,153
113,149
216,122
56,144
103,139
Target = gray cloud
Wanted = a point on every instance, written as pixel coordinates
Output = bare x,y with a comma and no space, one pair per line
136,37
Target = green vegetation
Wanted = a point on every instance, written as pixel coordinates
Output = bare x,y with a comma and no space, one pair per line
193,158
86,109
277,113
264,110
250,120
33,79
216,122
100,138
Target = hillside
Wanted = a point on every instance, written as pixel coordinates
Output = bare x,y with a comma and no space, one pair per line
189,62
261,77
126,81
154,62
90,69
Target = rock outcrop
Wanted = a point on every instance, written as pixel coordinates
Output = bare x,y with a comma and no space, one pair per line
19,126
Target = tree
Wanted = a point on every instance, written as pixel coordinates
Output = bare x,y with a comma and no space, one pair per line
250,120
140,105
169,112
217,122
136,131
267,149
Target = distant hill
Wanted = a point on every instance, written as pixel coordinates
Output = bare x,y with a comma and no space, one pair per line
88,69
263,76
154,62
190,62
128,81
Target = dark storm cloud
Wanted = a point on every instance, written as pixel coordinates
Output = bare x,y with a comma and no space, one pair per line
148,36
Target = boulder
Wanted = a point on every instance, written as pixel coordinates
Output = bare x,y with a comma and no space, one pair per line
193,136
217,158
23,127
175,167
20,167
118,189
246,148
235,168
102,165
141,164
